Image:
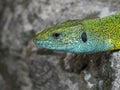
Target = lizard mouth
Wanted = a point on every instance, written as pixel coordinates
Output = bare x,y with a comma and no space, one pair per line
51,45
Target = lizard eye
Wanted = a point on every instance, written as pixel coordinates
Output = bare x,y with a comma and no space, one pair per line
56,35
84,37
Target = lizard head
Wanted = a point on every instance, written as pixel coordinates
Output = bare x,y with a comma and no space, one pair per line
63,36
69,36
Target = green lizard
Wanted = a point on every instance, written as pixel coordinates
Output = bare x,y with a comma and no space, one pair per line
82,36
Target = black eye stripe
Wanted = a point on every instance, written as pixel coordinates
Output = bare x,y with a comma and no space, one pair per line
84,37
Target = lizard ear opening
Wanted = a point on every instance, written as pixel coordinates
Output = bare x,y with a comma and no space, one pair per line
84,37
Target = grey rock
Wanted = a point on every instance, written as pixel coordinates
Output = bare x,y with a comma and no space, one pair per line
23,66
115,64
2,83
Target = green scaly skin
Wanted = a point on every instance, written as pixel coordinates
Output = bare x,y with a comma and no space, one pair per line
101,35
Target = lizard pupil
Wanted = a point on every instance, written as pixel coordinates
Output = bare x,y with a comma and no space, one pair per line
56,35
84,37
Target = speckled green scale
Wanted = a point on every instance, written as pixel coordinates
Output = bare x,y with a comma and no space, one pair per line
107,28
82,36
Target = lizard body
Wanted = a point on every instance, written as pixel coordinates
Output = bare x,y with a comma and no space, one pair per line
82,36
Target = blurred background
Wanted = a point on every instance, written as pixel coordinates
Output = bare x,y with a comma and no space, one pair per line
23,66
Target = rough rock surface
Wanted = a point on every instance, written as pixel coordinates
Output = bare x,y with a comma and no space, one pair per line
25,67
